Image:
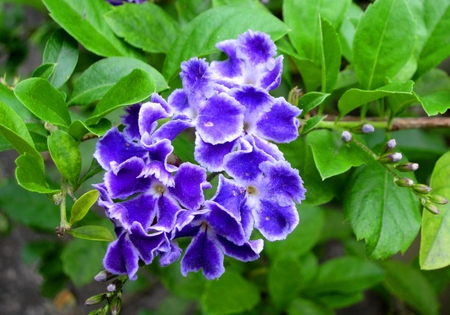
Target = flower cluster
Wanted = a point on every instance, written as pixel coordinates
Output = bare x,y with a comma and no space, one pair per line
153,198
119,2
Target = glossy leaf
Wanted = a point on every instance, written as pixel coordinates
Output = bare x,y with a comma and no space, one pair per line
124,92
331,55
83,19
200,36
66,155
311,100
44,71
332,155
376,50
43,100
14,130
283,280
311,123
410,286
99,78
354,98
236,294
30,175
340,299
301,306
346,275
189,9
303,18
145,26
436,103
78,251
94,169
62,50
386,216
93,233
436,44
78,129
81,207
435,238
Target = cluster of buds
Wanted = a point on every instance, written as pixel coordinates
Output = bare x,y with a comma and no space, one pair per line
113,297
422,191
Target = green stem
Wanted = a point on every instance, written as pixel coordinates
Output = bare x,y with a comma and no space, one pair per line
63,225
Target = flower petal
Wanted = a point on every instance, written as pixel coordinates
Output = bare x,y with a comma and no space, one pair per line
256,47
220,120
167,212
272,79
224,224
149,115
229,195
197,80
147,245
130,121
189,180
231,67
171,255
171,129
203,253
121,257
274,221
249,251
211,155
140,209
280,123
114,147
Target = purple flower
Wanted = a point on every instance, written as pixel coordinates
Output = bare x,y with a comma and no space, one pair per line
119,2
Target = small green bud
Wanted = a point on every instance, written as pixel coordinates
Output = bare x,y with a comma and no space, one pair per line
404,182
438,200
390,158
421,188
431,207
95,299
407,167
116,305
294,95
389,146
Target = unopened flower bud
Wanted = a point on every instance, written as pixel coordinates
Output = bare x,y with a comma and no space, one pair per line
116,304
103,276
294,95
421,188
173,159
390,158
367,128
438,199
95,299
404,182
111,287
407,167
431,207
346,136
389,146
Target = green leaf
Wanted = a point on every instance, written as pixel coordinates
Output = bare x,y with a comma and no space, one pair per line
299,154
303,18
346,35
332,155
435,238
94,169
44,71
236,294
200,36
345,275
311,100
436,47
66,155
81,251
376,50
311,123
189,9
301,306
409,285
62,50
83,19
354,98
82,206
145,26
102,75
331,55
283,280
30,175
93,233
304,237
7,96
340,299
385,215
436,103
28,208
78,129
124,92
43,100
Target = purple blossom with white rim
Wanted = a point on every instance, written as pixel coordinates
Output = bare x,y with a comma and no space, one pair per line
217,230
251,61
272,189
